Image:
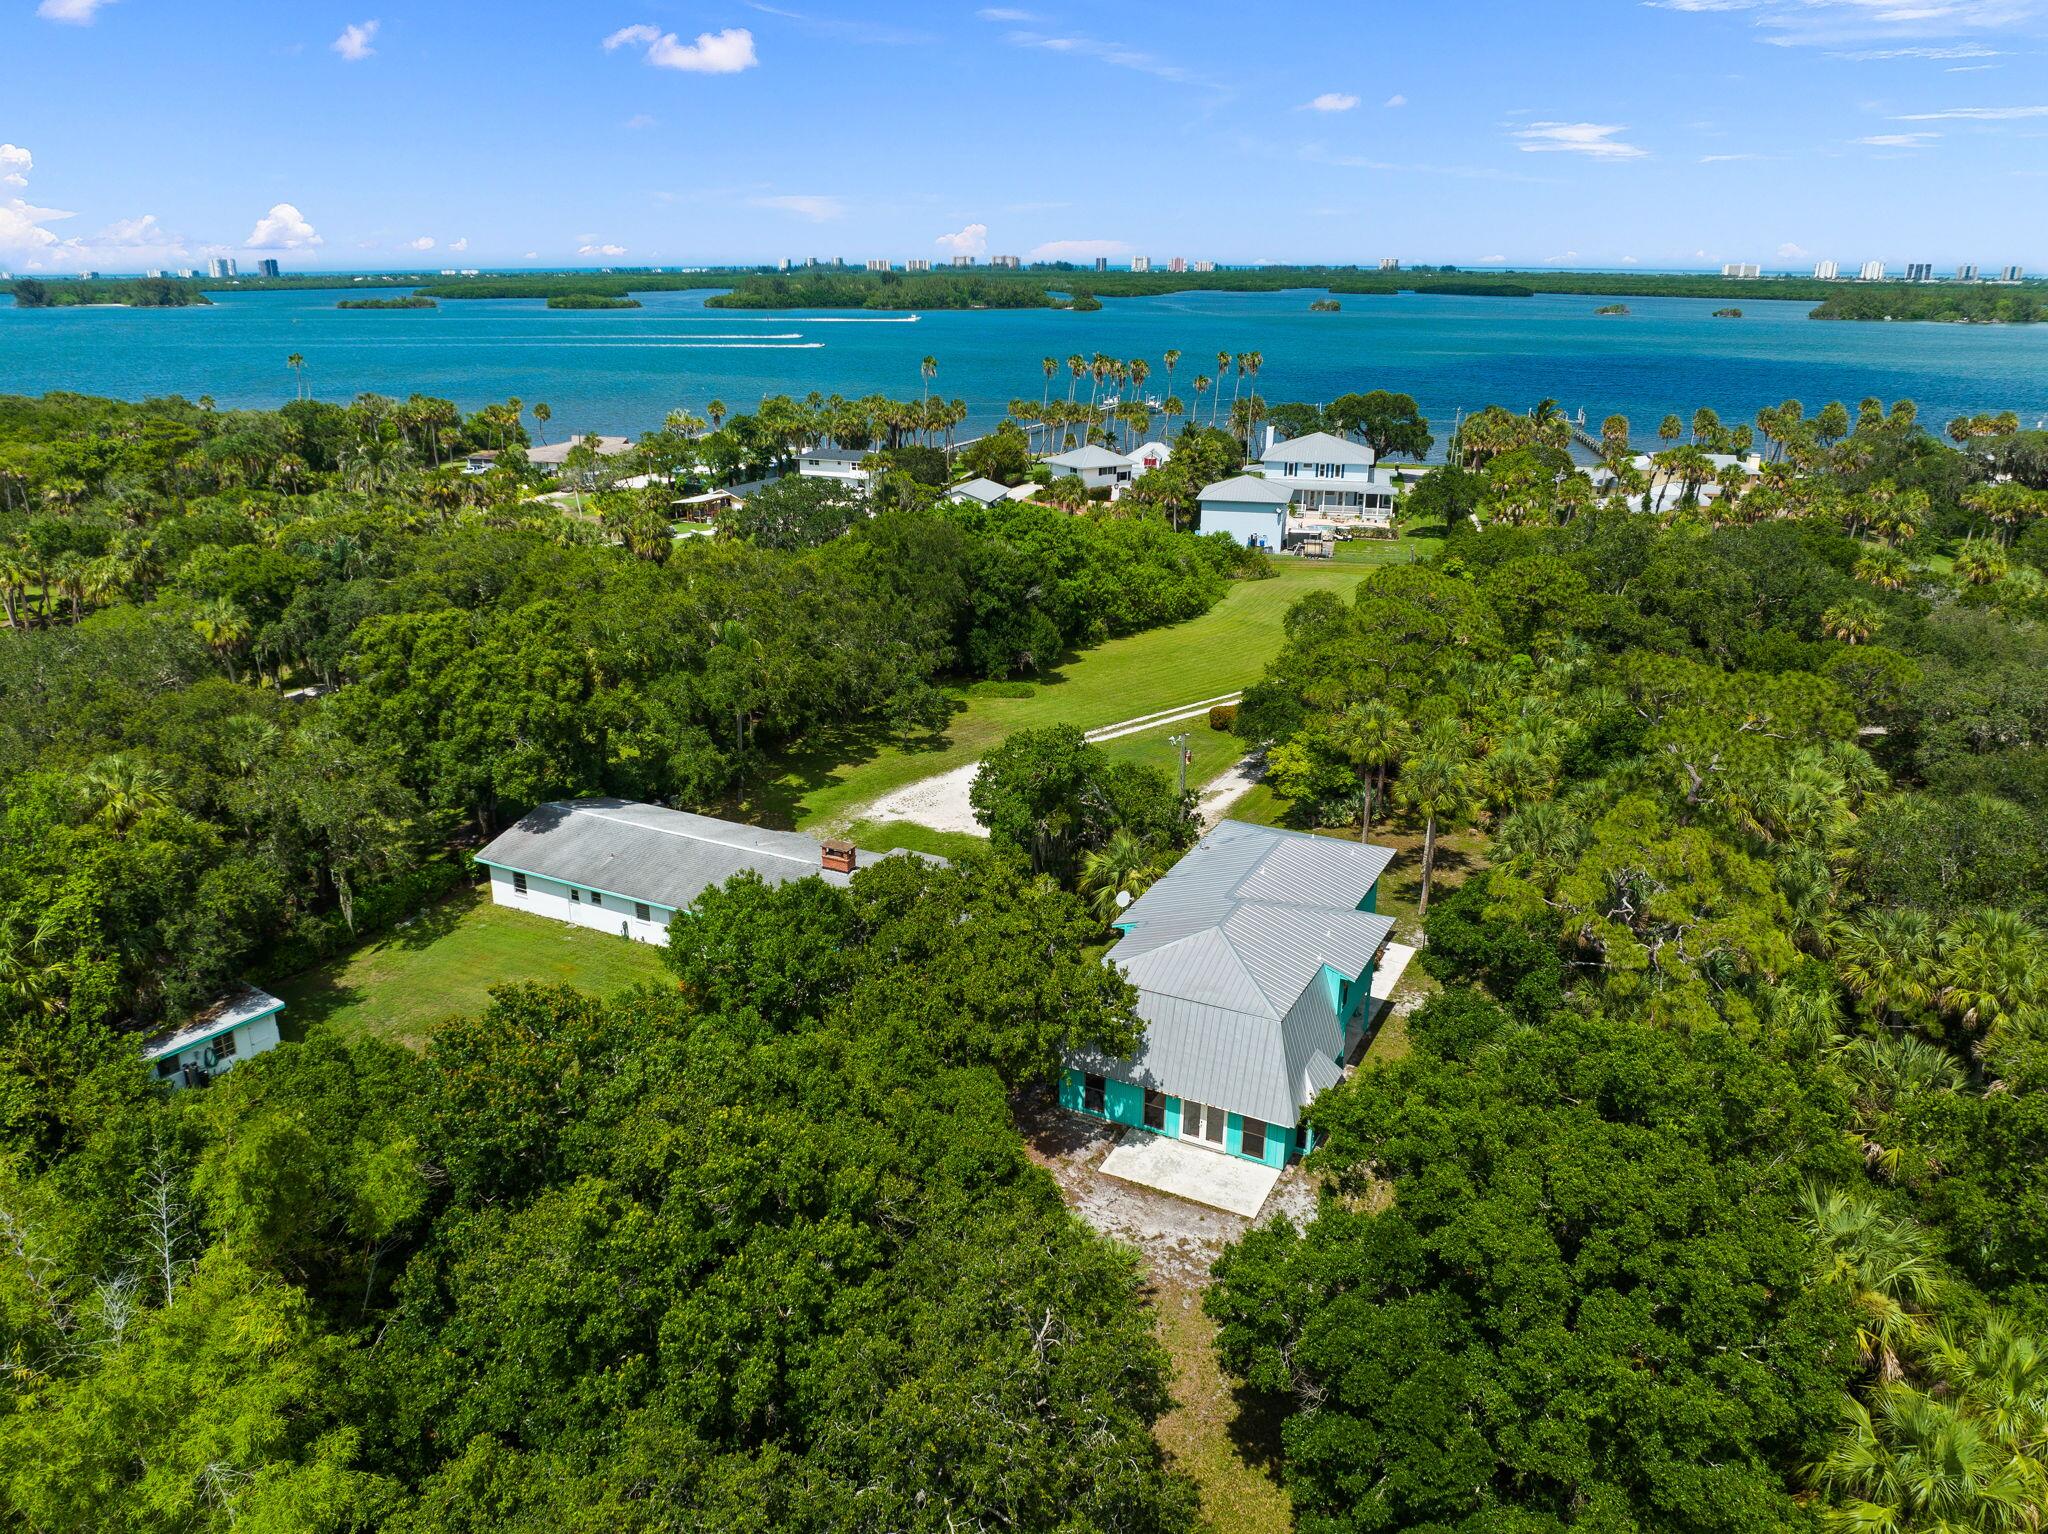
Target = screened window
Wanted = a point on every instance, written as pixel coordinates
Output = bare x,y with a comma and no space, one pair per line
166,1068
1155,1109
641,912
224,1047
518,882
1254,1142
576,895
596,898
1094,1094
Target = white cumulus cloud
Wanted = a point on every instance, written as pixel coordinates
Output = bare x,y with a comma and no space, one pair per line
970,241
284,227
21,225
424,242
1331,101
598,250
461,244
1397,101
1793,251
818,210
713,53
15,164
354,43
77,13
1595,140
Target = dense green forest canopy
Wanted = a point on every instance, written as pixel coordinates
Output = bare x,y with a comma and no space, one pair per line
1710,1195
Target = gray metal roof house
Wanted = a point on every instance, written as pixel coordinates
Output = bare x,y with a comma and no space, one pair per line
1253,961
624,867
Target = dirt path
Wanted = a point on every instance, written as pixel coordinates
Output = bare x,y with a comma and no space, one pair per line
940,802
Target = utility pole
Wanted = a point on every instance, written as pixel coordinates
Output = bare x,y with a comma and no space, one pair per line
1180,745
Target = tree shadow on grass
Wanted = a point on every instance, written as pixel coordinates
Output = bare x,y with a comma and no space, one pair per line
774,795
1255,1429
432,924
315,995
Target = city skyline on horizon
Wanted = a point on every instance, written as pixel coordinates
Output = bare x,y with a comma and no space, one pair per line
732,135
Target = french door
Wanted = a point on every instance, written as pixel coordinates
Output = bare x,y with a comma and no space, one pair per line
1199,1121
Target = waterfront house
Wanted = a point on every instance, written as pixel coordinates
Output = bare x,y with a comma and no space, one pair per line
550,457
622,867
233,1028
841,464
1330,482
482,461
1149,456
1096,467
1253,961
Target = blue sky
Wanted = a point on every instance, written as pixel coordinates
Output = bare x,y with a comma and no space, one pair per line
386,133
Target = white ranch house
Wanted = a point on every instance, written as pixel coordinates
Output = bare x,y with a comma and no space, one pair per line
616,866
1097,468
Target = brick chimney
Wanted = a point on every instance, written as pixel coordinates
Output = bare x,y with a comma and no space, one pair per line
836,857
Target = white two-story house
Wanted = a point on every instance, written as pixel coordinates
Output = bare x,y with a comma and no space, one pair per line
1323,480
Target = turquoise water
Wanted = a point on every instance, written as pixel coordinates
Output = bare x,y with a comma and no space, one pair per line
622,371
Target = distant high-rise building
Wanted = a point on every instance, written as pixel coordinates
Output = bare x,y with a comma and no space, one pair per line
1102,263
1871,271
1390,263
878,266
1967,272
917,264
154,271
1005,263
268,266
782,265
1744,269
2012,274
188,272
963,260
220,266
1205,266
1827,271
1919,271
89,276
1177,264
1141,263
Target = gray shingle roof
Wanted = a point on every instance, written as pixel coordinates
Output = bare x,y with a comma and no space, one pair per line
644,852
1228,953
1318,447
243,1006
981,489
1247,487
1089,457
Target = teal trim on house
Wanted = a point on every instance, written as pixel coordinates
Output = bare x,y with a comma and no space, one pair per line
1371,904
1125,1104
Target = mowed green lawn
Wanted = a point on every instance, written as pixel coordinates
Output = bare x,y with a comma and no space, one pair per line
401,985
825,786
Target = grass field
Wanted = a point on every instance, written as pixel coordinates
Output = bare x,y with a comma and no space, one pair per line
1227,648
444,964
1228,1446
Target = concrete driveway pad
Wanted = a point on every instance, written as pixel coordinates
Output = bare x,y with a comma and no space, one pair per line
1187,1171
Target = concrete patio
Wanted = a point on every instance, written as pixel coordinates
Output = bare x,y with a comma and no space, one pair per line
1187,1171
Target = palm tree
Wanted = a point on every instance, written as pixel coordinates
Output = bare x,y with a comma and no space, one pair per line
1980,563
1051,368
1374,736
1440,786
1066,493
1171,358
1884,568
297,364
1888,1263
223,629
715,412
1222,367
542,415
928,370
122,789
1116,873
1201,388
1853,620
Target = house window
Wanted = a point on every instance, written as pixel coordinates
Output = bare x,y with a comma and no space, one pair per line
224,1046
1155,1110
1254,1141
596,899
518,882
640,911
1094,1094
576,895
1200,1121
167,1068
